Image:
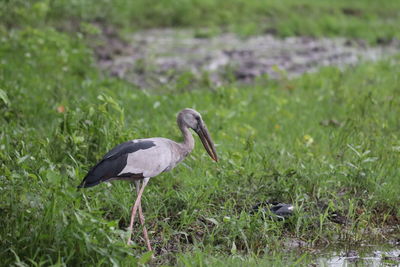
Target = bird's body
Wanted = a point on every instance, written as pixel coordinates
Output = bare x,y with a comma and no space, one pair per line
137,159
140,159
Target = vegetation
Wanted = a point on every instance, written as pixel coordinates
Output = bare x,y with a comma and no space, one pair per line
374,21
326,139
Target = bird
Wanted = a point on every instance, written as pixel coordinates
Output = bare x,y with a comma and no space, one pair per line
139,160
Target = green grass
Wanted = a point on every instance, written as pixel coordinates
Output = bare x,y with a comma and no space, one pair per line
274,139
374,21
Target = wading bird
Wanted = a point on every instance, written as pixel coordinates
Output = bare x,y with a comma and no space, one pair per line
140,159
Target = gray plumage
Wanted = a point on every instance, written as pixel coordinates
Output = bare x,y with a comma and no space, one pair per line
113,163
140,159
145,158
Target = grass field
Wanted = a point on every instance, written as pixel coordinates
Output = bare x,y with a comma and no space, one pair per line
330,138
374,21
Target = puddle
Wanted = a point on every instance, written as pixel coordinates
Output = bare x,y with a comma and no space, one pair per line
155,58
365,256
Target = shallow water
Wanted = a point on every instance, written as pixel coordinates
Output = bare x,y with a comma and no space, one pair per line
365,256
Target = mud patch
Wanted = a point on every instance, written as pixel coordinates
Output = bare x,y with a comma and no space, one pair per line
167,57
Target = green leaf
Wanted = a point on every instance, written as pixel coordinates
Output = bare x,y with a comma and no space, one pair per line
4,97
233,249
214,221
53,177
146,257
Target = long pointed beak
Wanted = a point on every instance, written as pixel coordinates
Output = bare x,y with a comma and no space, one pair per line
206,140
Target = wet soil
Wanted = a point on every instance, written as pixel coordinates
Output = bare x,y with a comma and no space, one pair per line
368,255
165,57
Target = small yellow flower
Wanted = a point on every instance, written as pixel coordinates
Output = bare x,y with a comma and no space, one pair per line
308,140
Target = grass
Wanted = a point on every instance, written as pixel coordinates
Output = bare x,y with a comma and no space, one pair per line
329,137
324,139
374,21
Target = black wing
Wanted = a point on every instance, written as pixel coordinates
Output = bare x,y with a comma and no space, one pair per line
114,162
128,147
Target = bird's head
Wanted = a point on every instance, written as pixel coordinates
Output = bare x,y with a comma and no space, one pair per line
192,119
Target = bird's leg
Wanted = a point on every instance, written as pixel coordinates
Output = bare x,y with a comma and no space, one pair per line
141,217
135,207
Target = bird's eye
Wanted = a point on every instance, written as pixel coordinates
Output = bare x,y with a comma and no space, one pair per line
197,117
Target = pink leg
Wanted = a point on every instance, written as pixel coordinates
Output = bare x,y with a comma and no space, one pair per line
141,217
135,207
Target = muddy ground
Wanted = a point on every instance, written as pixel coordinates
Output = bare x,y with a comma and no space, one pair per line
164,57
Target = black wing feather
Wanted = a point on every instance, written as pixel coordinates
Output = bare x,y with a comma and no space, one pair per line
113,163
128,147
